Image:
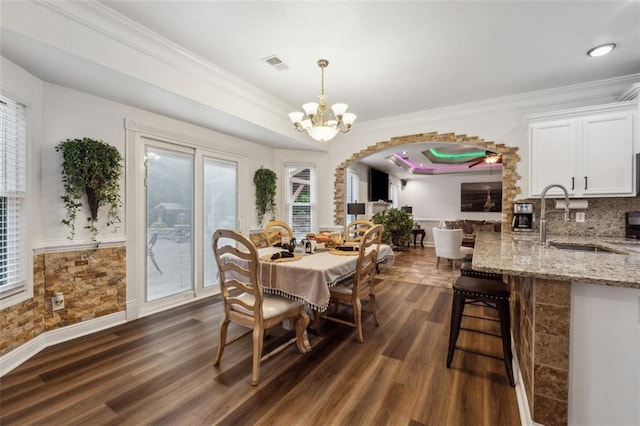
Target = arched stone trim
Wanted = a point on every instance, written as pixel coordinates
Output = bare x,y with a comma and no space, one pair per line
510,159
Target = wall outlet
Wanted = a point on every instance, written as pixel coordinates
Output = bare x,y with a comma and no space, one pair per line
580,217
57,301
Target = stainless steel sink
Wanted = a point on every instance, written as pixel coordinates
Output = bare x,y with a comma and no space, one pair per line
577,247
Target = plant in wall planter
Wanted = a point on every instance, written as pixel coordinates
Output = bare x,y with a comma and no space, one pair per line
265,181
397,226
91,167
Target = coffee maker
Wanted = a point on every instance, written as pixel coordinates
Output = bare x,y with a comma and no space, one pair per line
523,217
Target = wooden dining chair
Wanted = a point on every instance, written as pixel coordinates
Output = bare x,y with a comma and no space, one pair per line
275,230
356,229
246,304
361,285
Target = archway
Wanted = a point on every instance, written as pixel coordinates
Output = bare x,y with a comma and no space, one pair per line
510,158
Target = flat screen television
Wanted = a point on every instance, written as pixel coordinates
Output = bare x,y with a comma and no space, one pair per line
378,185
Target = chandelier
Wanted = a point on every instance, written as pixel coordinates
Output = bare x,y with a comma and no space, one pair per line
320,122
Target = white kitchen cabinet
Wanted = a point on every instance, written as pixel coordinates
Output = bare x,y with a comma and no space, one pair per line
607,154
589,151
553,157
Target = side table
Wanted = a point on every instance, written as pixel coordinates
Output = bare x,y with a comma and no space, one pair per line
416,232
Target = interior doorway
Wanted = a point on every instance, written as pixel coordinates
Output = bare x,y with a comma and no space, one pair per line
510,159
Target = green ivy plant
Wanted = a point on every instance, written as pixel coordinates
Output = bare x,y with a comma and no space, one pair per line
91,167
397,225
265,181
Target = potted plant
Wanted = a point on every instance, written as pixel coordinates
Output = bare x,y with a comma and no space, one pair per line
397,226
91,167
265,181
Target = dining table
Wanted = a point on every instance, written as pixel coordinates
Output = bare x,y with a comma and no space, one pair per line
308,277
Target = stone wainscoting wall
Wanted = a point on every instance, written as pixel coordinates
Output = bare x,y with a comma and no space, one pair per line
541,316
93,283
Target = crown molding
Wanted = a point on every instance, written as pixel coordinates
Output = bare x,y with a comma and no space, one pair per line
101,19
631,93
594,92
578,112
255,105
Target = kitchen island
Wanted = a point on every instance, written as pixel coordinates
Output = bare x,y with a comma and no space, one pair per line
575,324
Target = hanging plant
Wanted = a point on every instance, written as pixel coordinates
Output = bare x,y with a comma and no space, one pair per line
265,181
90,167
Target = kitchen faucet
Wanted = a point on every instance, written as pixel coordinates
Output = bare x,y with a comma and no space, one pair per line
543,212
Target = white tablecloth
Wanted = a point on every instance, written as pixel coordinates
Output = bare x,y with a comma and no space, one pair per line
310,278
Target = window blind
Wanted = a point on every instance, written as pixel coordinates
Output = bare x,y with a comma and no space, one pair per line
300,199
13,192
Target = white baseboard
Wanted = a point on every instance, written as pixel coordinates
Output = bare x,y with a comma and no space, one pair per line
12,359
521,393
132,309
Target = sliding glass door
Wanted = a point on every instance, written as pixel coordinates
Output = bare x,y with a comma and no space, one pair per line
169,184
189,193
220,207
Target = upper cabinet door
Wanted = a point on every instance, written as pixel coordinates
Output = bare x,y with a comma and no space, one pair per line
607,154
552,157
589,151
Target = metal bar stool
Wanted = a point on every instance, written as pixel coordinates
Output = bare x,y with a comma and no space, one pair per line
487,292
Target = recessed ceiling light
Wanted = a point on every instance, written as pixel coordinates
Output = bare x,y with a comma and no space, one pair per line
601,50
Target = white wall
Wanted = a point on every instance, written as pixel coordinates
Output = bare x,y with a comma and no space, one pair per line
70,114
431,196
438,196
361,171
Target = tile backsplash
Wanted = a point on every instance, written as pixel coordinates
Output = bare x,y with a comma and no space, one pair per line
604,217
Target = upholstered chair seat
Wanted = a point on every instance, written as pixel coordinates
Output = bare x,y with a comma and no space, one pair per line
272,306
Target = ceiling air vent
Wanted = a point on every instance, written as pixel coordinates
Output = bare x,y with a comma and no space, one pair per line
276,63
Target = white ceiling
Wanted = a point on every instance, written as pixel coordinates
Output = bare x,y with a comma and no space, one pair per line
386,58
394,58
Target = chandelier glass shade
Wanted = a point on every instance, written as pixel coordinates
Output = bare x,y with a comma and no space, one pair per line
318,120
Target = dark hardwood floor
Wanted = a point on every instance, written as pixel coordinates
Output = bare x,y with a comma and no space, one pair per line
159,369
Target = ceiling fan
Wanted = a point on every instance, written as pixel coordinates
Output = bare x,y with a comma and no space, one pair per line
488,158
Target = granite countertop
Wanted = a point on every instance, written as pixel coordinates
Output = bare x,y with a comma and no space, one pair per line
521,255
